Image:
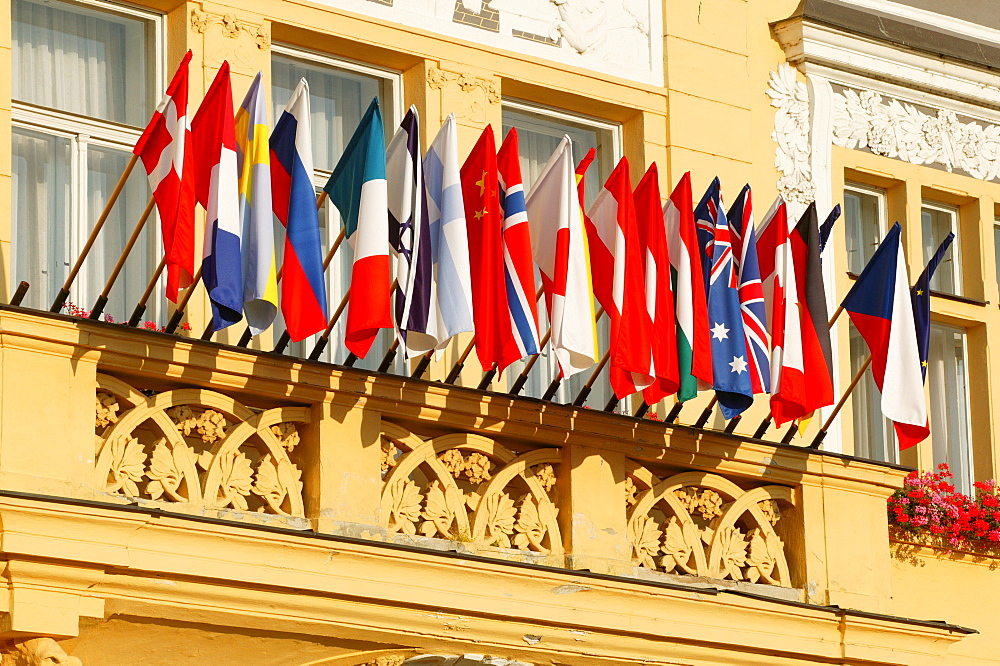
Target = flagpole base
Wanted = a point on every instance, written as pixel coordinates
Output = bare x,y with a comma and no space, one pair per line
610,407
348,362
581,398
762,428
703,419
136,317
98,309
387,360
641,411
318,349
818,440
174,322
283,341
487,379
60,300
453,375
245,340
551,390
518,385
208,333
18,296
422,366
733,422
675,411
790,435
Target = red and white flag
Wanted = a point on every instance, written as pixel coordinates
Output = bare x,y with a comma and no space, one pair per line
165,151
781,300
659,295
616,262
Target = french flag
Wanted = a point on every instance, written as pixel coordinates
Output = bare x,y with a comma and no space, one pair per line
880,307
303,290
214,134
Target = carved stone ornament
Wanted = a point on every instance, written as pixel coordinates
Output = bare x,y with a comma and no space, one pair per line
863,119
702,524
790,98
437,79
461,660
37,652
231,27
469,488
198,447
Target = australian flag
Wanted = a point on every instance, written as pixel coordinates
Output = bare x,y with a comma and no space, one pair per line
730,360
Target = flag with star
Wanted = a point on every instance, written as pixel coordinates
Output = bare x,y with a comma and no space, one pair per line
920,296
495,341
744,238
730,364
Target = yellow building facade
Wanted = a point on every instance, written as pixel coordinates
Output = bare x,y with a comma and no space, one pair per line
166,499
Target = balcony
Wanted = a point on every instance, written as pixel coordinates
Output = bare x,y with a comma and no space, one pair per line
139,460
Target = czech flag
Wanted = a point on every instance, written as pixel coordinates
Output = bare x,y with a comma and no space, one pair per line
303,290
359,190
214,134
880,307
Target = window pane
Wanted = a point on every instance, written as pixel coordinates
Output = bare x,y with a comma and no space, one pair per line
104,167
863,213
949,408
80,60
337,101
538,136
873,435
40,198
936,224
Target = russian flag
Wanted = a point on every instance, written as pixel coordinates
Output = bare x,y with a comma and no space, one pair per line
880,307
214,135
303,291
359,190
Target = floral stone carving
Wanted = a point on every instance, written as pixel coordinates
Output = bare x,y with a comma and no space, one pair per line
469,488
703,524
198,447
792,157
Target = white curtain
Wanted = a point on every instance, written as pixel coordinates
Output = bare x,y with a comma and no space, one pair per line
73,59
874,437
947,378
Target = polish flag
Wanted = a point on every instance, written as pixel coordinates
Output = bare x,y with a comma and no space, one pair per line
162,149
616,263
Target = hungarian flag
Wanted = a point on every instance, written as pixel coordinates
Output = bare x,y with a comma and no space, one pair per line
559,245
880,307
260,283
694,347
616,263
495,343
409,236
451,300
817,359
781,301
164,149
920,294
358,189
730,364
303,289
744,239
658,293
519,269
217,189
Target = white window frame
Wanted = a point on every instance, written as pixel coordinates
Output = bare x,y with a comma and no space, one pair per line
393,113
880,195
615,131
956,246
83,131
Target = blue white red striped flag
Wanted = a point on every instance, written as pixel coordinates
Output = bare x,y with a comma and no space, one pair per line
879,304
730,364
303,290
519,269
744,238
451,299
358,189
409,236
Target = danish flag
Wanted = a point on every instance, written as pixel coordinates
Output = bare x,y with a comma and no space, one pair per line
163,148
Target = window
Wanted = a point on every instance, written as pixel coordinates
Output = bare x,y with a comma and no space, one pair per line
947,377
539,131
936,222
339,93
996,247
873,433
865,215
85,78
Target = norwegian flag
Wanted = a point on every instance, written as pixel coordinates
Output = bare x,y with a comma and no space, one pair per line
744,239
162,149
